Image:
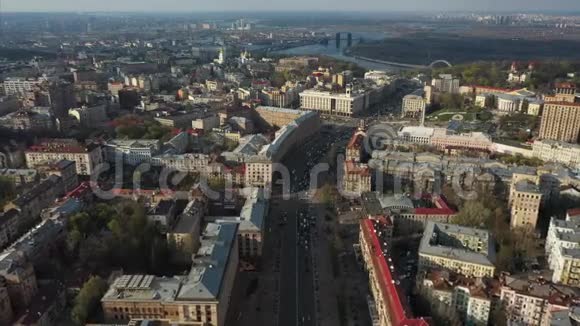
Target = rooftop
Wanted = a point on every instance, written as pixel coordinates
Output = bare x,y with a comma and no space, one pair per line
398,308
435,233
204,281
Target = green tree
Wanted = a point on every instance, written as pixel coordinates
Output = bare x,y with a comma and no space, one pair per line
87,301
473,213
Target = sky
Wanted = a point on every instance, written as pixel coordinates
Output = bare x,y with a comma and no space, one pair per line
294,5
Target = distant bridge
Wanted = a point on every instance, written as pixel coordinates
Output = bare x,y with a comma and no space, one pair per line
440,61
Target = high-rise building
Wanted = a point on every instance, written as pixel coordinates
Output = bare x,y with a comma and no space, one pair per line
446,84
561,121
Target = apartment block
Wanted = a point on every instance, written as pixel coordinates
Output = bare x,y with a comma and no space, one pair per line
200,298
471,299
86,158
561,122
531,300
388,305
466,251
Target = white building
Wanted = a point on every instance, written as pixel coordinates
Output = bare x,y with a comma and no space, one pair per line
86,158
563,248
340,104
417,135
19,85
414,105
184,163
507,103
132,152
556,151
446,84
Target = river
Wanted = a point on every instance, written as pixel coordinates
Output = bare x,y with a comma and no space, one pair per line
338,52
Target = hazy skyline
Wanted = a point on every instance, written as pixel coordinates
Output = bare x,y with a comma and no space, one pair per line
295,5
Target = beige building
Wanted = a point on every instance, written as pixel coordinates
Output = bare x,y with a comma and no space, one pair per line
528,300
466,251
86,158
277,117
557,151
535,108
258,172
414,105
525,200
561,121
356,178
443,139
446,84
200,298
184,163
339,104
469,298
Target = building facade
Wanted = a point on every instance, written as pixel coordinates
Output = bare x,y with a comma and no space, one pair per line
561,122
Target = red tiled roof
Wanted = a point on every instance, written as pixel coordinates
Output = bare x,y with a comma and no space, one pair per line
573,212
389,290
355,141
565,85
442,208
80,191
353,168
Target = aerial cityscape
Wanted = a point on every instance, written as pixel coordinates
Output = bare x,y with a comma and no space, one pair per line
306,163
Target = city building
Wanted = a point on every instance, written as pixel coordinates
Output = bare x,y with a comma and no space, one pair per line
86,158
90,117
19,177
412,215
535,107
388,305
524,201
65,169
563,92
277,117
445,140
206,123
28,120
557,151
202,297
9,227
337,104
561,121
30,203
185,235
18,85
507,103
464,250
355,147
468,298
446,84
356,178
563,248
528,300
414,105
251,223
61,97
190,163
162,214
131,152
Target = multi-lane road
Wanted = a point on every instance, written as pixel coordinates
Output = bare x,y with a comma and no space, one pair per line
299,275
